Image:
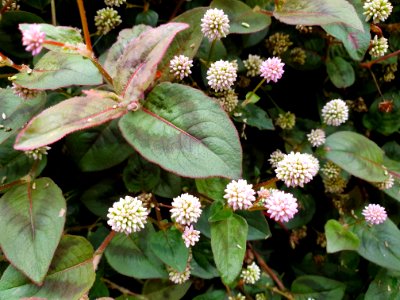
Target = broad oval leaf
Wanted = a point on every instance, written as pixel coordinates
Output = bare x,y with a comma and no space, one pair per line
242,19
137,66
340,72
318,12
74,114
32,218
258,225
356,154
98,148
317,287
131,256
339,238
384,286
55,70
71,274
185,132
228,244
168,245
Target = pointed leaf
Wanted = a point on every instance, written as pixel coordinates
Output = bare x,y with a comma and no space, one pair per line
340,72
137,66
228,244
384,286
317,287
242,19
356,154
71,274
32,220
131,256
168,245
74,114
98,148
339,238
318,12
55,70
184,131
258,225
165,290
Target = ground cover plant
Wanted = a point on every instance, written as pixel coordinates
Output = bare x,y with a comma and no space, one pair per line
199,150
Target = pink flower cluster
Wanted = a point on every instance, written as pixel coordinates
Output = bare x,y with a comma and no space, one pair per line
33,39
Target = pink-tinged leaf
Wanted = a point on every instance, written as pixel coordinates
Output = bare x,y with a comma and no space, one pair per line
71,115
137,67
318,12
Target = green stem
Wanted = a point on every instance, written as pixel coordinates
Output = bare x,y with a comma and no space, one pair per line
53,13
247,101
211,52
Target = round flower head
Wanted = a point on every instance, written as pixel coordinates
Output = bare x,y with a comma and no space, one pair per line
316,137
331,170
378,46
281,206
24,92
252,65
335,112
334,185
215,24
286,120
179,277
251,274
190,236
228,100
33,39
114,2
278,43
378,10
374,214
186,209
37,154
272,69
276,157
297,169
239,194
221,75
238,296
180,66
387,184
106,20
127,215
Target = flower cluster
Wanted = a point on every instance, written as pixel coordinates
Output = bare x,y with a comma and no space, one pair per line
378,10
239,194
272,69
106,20
335,112
186,209
215,24
378,46
331,170
180,66
334,185
276,157
24,92
252,65
127,215
251,274
221,75
297,169
190,236
316,137
286,120
228,100
278,43
37,154
374,214
114,2
281,206
179,277
33,38
386,184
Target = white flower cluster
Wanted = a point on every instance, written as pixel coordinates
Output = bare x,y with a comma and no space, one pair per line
316,137
215,24
378,10
335,112
37,154
281,206
221,75
386,184
252,65
179,277
180,66
239,194
251,274
378,46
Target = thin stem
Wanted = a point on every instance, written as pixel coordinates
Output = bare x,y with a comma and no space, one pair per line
382,58
53,13
85,25
376,82
115,286
266,12
274,103
177,8
247,101
211,51
103,72
9,63
99,252
12,184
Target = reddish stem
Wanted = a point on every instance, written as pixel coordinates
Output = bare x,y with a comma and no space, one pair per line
99,252
85,25
369,64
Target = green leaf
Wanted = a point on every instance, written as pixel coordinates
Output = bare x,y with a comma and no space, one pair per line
131,256
213,188
71,274
140,175
258,225
55,70
33,217
356,154
318,288
73,114
355,41
202,264
228,244
339,238
168,245
186,42
148,17
169,185
185,132
318,12
214,295
219,212
242,19
382,122
165,290
137,67
384,286
340,72
125,36
380,244
255,116
98,148
17,111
